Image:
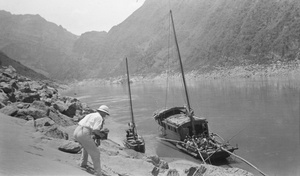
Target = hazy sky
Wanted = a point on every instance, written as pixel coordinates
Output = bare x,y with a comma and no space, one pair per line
77,16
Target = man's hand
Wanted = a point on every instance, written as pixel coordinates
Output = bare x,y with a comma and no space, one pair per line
96,139
99,134
97,142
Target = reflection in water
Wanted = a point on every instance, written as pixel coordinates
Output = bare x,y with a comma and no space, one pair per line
261,116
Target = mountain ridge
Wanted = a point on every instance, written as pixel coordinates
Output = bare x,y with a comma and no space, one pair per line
211,34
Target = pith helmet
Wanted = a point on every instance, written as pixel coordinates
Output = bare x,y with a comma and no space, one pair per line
104,108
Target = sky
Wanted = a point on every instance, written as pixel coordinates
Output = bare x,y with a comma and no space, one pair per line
77,16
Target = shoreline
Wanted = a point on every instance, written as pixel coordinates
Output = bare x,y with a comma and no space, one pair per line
277,71
115,159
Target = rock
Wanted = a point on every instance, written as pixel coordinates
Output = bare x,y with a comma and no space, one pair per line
3,98
4,77
40,105
199,171
60,119
35,85
26,97
56,132
23,105
34,112
60,106
71,110
42,122
14,84
6,87
156,161
174,172
10,110
70,147
10,72
155,171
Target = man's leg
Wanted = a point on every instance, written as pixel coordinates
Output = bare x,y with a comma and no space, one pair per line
84,158
91,148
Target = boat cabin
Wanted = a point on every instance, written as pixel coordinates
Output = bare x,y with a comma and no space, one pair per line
177,124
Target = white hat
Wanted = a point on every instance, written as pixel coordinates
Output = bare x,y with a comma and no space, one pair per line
104,108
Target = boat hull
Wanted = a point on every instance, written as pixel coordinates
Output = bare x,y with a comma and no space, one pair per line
138,146
211,155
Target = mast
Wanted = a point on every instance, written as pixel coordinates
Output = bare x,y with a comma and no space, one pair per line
131,109
183,77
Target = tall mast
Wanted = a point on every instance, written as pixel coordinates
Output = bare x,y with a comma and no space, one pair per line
183,77
131,109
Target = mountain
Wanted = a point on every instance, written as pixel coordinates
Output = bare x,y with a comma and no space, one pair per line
20,69
36,43
211,34
216,33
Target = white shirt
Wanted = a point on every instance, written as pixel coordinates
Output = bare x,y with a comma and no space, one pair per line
93,121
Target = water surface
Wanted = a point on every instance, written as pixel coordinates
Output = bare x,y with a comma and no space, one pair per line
261,116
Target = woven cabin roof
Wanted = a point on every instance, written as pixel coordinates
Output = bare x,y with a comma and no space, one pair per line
180,119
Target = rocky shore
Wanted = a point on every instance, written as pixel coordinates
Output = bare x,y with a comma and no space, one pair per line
37,125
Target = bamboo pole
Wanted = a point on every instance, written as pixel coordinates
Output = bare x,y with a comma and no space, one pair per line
247,162
199,152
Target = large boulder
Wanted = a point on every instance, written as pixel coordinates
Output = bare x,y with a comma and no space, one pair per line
31,111
59,118
71,110
26,97
10,110
40,105
60,106
55,131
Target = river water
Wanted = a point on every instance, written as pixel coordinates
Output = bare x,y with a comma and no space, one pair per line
260,116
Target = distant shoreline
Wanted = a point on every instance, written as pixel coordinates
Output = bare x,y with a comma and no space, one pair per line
276,71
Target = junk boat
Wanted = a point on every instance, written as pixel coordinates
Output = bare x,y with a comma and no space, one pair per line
133,140
191,135
188,132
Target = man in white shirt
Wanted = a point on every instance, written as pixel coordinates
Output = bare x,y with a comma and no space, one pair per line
91,124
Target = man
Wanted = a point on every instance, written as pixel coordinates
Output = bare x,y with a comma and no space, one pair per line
91,125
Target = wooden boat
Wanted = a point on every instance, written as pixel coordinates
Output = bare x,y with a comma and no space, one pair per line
188,132
133,140
178,129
